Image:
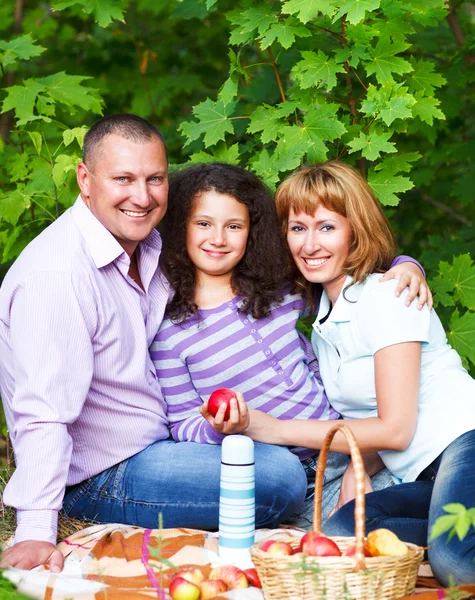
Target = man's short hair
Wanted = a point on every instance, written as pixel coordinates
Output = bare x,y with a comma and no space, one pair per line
130,127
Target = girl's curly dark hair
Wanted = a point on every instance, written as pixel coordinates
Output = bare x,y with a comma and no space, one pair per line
260,275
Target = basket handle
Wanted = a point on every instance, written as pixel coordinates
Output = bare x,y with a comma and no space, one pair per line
359,485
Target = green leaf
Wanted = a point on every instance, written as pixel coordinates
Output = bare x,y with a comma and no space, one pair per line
228,90
386,185
372,144
241,34
461,334
21,98
426,109
398,162
441,525
397,108
285,33
307,10
12,206
213,122
220,153
424,78
20,48
385,62
37,140
104,11
63,165
18,167
356,10
265,167
460,276
260,18
454,508
68,90
316,69
77,133
268,119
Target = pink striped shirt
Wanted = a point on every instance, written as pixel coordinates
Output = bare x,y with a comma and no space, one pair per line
79,389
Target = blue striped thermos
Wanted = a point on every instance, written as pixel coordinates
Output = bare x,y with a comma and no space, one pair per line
237,505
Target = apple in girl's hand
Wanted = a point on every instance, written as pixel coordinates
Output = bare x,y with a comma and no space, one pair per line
232,576
253,578
316,544
193,574
182,589
211,588
218,397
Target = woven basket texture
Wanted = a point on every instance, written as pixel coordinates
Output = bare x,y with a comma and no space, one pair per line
300,577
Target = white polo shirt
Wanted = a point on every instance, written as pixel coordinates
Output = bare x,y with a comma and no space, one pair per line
367,317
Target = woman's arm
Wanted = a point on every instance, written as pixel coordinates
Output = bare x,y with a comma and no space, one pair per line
397,375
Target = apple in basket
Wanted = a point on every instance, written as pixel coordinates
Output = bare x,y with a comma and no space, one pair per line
351,551
182,589
316,544
232,576
218,397
276,547
193,574
210,588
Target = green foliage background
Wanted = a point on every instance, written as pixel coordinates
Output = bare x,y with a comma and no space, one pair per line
268,84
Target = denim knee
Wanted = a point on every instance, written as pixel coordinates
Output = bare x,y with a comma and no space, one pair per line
453,562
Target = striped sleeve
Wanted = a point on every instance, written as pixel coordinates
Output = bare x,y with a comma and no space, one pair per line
186,423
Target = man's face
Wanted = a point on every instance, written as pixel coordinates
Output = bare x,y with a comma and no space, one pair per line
126,187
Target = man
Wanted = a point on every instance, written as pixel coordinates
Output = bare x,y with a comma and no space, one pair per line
78,311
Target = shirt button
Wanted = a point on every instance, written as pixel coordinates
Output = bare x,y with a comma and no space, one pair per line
253,331
267,352
230,304
259,341
281,372
246,321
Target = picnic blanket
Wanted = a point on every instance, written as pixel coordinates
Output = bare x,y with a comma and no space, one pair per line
120,562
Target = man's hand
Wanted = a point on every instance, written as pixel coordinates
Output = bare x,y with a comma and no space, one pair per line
238,416
31,553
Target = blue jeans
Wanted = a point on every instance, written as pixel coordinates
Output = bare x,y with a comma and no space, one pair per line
410,510
181,481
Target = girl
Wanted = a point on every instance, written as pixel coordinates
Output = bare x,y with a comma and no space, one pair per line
389,370
231,323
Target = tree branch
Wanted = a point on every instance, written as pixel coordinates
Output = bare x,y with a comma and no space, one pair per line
277,76
458,34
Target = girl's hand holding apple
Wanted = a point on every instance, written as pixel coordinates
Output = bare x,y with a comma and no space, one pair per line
238,416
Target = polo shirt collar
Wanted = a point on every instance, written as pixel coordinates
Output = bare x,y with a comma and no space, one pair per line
103,246
341,312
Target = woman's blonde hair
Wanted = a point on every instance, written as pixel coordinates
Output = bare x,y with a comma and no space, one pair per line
340,188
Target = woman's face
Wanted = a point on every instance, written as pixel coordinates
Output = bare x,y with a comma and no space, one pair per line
319,245
216,234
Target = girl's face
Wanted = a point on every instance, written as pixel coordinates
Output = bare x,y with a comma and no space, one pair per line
216,234
319,245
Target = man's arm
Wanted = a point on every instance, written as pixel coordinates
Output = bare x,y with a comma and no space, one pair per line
53,364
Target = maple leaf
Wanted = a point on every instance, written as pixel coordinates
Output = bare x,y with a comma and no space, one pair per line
64,164
372,144
12,206
22,98
104,11
306,10
386,185
241,34
397,108
68,90
265,166
284,32
385,62
77,133
356,10
426,108
398,162
22,48
213,122
268,119
423,77
260,18
315,69
461,333
220,153
460,276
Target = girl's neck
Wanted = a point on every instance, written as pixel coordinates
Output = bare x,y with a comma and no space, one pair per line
212,292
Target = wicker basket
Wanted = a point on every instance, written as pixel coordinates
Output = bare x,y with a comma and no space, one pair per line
338,577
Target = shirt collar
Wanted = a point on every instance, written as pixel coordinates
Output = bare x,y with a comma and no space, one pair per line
341,312
103,246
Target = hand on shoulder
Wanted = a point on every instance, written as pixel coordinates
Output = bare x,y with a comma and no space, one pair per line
31,553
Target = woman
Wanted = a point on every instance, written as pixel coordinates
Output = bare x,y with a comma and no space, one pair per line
385,367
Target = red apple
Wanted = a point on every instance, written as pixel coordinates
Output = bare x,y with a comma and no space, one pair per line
351,551
211,588
315,544
193,574
265,545
232,576
182,589
218,397
253,578
280,548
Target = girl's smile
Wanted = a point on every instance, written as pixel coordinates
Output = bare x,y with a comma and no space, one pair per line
216,235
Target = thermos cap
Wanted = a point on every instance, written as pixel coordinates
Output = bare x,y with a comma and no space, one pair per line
237,450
